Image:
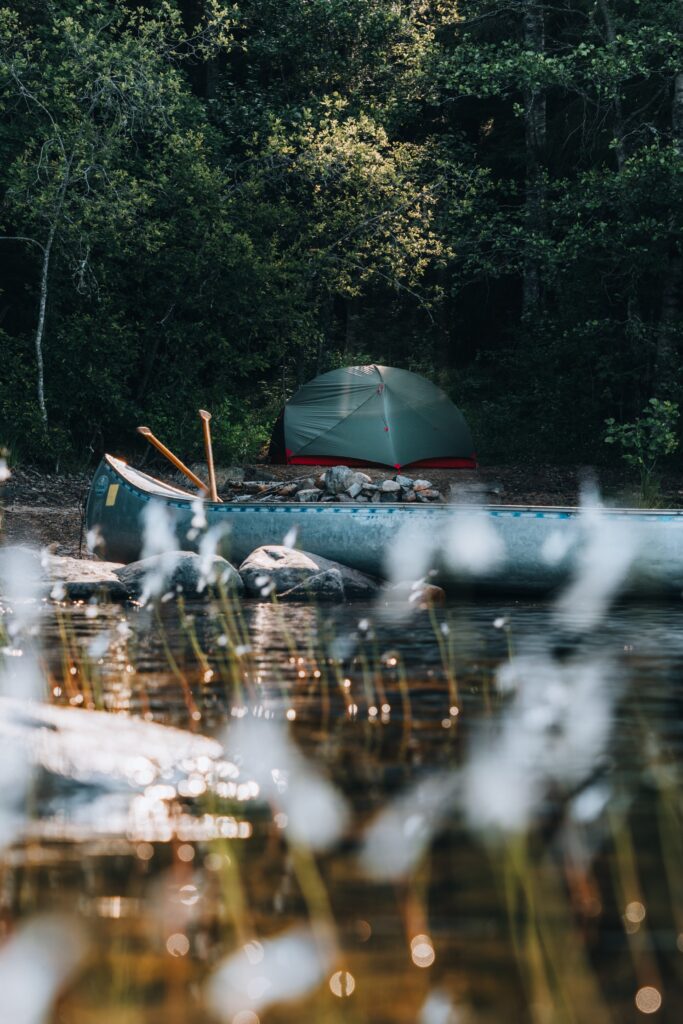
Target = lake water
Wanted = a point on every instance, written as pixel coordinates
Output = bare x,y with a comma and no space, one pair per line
466,815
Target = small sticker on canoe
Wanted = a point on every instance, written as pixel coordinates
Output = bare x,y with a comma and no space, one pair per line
111,494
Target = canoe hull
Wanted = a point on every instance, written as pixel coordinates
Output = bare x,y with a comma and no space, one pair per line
506,548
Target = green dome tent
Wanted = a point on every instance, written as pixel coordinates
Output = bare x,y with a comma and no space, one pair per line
364,415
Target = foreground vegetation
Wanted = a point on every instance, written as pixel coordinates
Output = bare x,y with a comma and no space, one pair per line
205,204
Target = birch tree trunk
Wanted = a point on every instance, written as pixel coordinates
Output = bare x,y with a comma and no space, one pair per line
535,141
44,278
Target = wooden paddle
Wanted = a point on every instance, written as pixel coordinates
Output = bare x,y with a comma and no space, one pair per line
206,419
147,433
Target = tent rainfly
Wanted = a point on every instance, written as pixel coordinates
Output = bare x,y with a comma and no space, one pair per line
372,415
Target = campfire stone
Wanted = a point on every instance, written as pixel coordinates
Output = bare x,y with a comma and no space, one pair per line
404,481
390,486
308,494
338,478
422,485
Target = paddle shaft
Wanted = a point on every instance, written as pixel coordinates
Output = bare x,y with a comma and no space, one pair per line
146,432
206,424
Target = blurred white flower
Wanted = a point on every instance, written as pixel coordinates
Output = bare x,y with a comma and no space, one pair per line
199,521
398,837
410,555
471,544
588,805
35,964
260,974
21,582
552,736
438,1008
158,539
557,546
4,471
607,550
15,772
99,645
289,540
317,814
208,549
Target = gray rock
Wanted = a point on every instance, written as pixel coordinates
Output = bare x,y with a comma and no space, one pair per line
405,482
376,497
429,495
354,490
338,478
274,567
344,498
327,586
305,485
27,573
360,478
181,571
422,485
308,494
79,579
390,486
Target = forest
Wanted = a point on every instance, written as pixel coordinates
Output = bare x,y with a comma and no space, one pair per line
205,203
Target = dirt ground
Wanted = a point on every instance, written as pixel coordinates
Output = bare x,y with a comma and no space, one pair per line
47,510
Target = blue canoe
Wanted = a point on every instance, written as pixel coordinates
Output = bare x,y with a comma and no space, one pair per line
536,549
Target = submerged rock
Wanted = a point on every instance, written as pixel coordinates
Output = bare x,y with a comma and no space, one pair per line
181,571
274,568
419,594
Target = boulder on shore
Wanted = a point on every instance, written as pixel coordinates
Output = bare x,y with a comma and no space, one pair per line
27,573
327,585
278,569
181,571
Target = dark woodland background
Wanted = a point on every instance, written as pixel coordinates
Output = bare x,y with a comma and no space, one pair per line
205,204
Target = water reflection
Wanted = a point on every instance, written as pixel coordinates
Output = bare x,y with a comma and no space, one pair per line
190,850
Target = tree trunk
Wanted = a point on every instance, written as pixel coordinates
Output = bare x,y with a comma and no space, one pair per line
666,364
351,327
535,139
40,327
44,274
619,133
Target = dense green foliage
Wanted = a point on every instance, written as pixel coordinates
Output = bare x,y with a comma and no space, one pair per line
206,203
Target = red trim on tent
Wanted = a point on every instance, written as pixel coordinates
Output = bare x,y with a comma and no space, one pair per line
440,463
